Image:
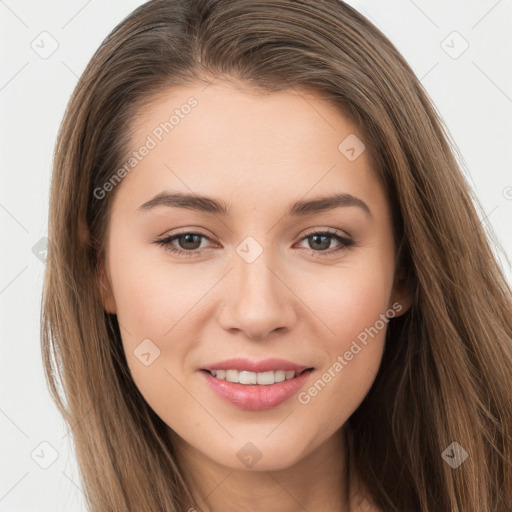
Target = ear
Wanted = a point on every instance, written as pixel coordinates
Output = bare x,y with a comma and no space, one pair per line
107,296
402,293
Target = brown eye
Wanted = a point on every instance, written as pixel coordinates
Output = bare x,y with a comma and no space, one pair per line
184,244
190,241
320,242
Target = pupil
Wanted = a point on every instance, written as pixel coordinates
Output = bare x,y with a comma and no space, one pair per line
315,237
188,240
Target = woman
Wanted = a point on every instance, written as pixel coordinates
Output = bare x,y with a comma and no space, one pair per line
269,288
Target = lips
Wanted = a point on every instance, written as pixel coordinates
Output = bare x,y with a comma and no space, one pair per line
250,395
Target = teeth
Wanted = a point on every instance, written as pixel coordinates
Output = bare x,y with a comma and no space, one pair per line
279,376
232,375
266,378
248,378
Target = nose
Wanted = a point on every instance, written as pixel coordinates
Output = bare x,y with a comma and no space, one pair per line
258,300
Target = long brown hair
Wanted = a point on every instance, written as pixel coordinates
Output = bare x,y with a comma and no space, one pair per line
446,373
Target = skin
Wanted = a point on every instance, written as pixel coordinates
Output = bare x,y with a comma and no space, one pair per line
259,154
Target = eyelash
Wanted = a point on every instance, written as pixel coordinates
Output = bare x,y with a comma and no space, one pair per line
166,242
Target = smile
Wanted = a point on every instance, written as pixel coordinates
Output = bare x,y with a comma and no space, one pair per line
251,378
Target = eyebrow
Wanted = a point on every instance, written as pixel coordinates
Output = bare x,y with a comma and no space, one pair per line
215,206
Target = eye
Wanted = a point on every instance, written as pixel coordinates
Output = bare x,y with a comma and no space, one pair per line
187,240
189,243
322,240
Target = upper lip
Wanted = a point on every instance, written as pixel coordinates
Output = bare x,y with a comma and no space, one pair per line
265,365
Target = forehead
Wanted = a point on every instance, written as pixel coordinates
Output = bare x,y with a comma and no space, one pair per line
219,140
247,116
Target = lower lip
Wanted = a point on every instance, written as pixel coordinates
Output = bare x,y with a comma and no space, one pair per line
256,397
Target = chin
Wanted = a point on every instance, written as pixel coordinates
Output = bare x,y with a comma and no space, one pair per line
255,453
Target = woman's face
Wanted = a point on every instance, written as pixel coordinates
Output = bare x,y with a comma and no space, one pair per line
258,278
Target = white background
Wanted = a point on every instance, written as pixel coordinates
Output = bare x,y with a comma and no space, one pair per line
473,93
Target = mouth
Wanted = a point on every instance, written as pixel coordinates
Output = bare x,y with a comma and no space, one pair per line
248,378
256,386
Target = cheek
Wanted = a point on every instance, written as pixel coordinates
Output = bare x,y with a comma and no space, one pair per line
350,363
350,298
151,292
150,302
153,305
154,313
352,304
